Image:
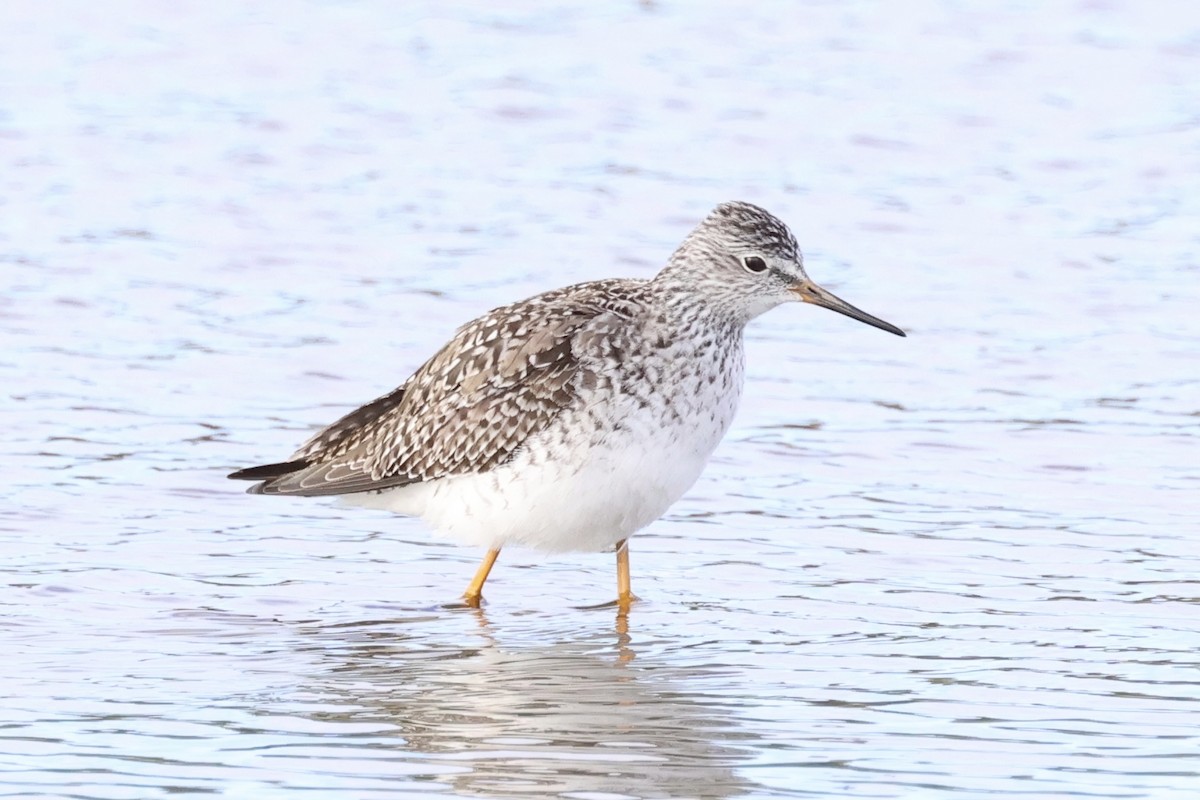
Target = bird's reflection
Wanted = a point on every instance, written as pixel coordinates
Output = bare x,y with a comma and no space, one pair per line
586,715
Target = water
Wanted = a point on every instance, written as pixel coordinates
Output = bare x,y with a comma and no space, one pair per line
959,565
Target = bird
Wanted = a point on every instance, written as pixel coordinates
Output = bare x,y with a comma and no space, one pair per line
572,419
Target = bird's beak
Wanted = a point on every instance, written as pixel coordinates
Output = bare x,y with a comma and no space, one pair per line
809,292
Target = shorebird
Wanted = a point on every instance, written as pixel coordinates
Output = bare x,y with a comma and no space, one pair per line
570,420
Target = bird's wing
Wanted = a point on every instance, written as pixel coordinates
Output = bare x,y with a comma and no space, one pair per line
500,380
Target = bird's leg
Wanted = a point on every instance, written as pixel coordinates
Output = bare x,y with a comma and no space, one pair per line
625,597
474,592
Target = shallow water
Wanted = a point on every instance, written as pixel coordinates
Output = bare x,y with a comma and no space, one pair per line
956,565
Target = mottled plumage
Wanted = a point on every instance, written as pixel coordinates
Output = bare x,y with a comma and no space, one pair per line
574,418
501,378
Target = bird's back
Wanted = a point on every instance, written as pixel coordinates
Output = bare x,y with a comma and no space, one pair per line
500,379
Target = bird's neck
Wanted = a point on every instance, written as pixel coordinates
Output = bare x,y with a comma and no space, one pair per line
684,306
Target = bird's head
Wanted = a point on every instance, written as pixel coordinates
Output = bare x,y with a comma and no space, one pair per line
746,261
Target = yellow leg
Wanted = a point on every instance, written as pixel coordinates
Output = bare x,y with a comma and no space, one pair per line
474,592
625,597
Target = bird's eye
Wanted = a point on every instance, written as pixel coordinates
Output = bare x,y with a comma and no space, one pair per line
754,264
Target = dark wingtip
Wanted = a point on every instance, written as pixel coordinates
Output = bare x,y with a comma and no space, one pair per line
268,471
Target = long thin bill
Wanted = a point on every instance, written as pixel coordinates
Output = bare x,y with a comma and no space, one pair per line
811,293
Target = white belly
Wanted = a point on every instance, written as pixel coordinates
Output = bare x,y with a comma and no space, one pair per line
617,490
586,497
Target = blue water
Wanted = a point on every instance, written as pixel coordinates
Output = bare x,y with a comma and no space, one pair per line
958,565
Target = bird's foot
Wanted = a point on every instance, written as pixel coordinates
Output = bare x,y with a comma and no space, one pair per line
471,601
622,604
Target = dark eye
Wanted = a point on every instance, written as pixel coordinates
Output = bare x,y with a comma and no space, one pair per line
754,264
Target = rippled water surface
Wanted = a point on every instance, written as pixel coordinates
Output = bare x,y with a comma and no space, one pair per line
958,565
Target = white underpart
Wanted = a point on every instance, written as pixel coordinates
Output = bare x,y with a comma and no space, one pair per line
597,475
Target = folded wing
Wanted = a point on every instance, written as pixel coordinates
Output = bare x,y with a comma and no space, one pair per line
500,380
